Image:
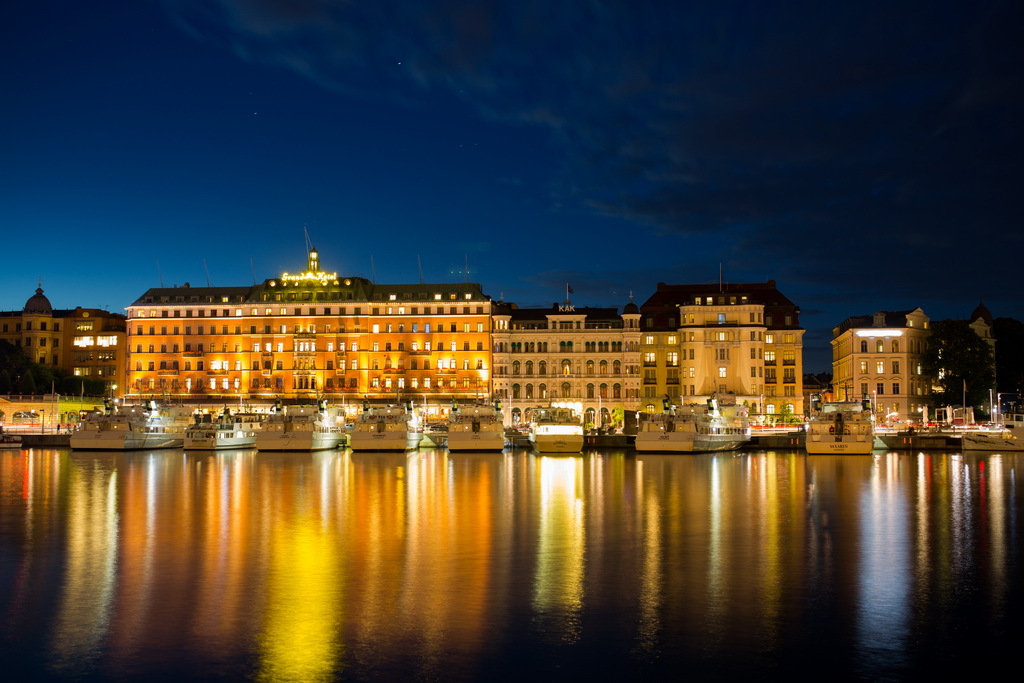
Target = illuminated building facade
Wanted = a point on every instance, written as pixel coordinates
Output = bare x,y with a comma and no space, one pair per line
310,335
85,342
879,357
583,358
739,340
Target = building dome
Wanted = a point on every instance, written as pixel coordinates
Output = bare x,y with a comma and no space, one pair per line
631,309
38,303
982,312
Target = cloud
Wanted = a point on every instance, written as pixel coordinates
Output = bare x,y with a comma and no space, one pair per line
786,128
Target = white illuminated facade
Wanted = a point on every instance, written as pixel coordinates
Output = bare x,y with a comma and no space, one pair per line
879,357
586,359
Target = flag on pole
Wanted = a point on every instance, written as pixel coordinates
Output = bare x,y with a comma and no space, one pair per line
568,288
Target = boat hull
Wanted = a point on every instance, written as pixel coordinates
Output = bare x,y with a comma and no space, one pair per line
219,443
842,444
682,442
486,437
115,441
557,443
384,441
298,441
991,442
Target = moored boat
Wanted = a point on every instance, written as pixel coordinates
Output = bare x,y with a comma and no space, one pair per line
301,428
843,427
132,428
476,428
999,440
9,440
694,428
386,428
213,432
556,430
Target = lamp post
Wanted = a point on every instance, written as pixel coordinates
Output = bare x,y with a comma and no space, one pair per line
42,421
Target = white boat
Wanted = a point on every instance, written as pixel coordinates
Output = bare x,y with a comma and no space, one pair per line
132,428
212,432
476,428
1002,440
844,427
301,428
556,430
386,428
9,440
694,428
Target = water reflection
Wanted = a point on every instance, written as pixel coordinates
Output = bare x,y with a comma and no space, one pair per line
299,566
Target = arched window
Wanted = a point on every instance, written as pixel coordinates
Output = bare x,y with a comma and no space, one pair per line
529,391
515,367
863,346
895,345
516,391
590,367
566,390
590,391
617,368
529,367
604,367
543,367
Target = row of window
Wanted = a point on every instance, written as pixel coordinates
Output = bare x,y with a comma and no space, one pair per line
565,391
328,310
311,328
913,346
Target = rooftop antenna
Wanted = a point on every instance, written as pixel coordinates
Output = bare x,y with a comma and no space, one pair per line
419,264
207,271
160,274
306,233
467,267
720,276
373,270
253,269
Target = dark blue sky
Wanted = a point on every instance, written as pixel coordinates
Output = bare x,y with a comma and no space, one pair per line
866,155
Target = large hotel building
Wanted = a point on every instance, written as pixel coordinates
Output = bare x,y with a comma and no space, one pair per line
309,335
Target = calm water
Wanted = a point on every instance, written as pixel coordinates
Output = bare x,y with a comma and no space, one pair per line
437,566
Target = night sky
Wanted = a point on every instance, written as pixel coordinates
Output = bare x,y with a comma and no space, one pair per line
865,155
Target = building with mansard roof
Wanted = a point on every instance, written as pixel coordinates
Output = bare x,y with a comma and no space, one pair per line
312,334
738,340
567,356
85,342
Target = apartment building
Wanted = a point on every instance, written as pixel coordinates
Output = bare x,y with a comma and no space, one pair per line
879,357
85,342
742,340
567,356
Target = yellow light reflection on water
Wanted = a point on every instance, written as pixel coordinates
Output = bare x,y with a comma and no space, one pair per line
83,615
561,544
301,636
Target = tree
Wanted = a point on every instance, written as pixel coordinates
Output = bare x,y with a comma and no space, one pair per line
1009,334
958,361
27,383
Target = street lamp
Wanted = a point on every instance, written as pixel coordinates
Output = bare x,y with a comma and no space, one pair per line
42,421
